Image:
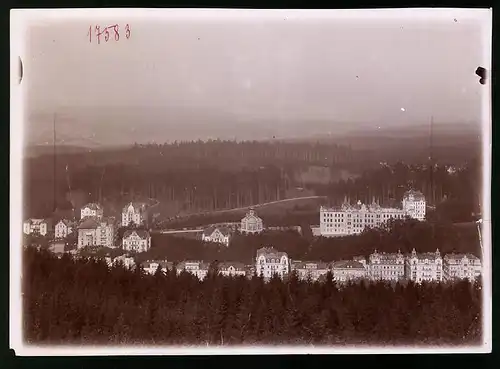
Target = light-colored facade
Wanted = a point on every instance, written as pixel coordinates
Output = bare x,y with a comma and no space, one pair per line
134,213
136,240
96,232
386,266
57,247
461,266
216,234
349,220
63,228
36,226
127,261
414,205
309,269
251,223
231,269
195,267
269,261
151,266
92,210
424,267
348,270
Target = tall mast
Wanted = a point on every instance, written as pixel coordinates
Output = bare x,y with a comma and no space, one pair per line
54,183
431,161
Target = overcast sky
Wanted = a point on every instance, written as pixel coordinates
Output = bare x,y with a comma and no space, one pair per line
283,75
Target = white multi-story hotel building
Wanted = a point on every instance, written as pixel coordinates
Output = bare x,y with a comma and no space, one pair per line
251,223
309,269
461,266
216,234
386,267
231,269
348,270
96,232
414,204
127,261
63,228
36,226
136,240
269,262
92,210
151,266
134,213
424,267
197,268
348,219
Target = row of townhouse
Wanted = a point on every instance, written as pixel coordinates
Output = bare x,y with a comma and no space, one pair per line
353,219
417,267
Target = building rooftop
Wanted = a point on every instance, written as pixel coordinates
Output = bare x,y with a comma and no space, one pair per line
138,206
139,232
347,264
89,223
225,265
210,230
317,265
270,252
92,206
417,195
454,256
251,215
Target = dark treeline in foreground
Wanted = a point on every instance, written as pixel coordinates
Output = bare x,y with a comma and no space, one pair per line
70,301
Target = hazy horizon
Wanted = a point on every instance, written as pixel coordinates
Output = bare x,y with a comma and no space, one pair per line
250,78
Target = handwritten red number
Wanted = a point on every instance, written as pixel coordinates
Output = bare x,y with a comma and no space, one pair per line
98,34
90,34
106,34
127,31
117,34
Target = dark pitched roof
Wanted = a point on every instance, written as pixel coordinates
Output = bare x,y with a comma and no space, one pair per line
93,206
236,265
270,252
140,232
89,223
138,206
347,264
419,196
210,230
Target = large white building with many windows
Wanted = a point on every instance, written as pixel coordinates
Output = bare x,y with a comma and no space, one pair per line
194,267
96,232
353,219
309,269
36,226
231,269
348,270
134,213
63,228
271,262
251,223
216,234
461,266
386,267
92,210
136,240
414,204
424,267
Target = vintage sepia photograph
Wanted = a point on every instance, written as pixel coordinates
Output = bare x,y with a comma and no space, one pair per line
218,181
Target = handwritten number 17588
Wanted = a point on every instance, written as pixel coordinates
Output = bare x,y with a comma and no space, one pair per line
107,32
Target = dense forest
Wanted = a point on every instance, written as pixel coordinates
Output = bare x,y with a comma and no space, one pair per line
78,301
399,235
195,177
